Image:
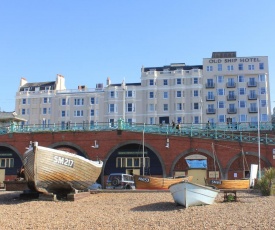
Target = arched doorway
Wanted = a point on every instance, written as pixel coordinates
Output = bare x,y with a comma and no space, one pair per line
128,158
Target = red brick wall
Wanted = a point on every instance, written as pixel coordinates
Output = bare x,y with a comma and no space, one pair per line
110,140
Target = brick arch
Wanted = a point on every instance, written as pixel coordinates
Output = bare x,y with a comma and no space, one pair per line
139,143
70,144
247,153
13,149
195,151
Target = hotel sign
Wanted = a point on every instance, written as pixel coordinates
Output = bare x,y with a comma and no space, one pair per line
233,60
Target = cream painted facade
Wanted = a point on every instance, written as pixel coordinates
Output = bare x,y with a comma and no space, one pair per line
225,86
235,88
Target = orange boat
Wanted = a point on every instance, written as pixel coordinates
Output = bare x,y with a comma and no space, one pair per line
232,184
149,182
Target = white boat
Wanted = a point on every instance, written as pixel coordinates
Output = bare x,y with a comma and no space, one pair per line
189,194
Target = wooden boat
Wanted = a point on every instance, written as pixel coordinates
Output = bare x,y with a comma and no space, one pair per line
54,171
231,184
190,194
149,182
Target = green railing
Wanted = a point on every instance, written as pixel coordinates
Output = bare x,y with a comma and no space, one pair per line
244,132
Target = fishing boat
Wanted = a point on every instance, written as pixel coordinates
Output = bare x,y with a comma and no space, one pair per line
149,182
190,194
231,184
54,171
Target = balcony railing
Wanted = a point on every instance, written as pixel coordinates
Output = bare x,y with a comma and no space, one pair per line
231,97
231,84
252,84
252,97
210,85
253,110
210,98
232,110
210,111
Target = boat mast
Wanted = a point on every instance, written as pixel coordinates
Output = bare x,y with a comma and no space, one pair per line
259,140
214,156
143,160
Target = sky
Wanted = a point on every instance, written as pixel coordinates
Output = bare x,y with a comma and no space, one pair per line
87,41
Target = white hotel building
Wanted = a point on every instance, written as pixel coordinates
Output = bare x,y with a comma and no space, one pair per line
225,86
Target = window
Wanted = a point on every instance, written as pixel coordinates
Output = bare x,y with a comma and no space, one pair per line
253,107
221,92
112,94
243,118
151,107
165,107
129,93
241,78
240,66
111,108
196,120
151,94
178,81
23,111
165,82
250,67
261,65
263,103
242,91
178,93
221,118
63,101
44,110
264,117
230,68
7,162
219,67
79,101
209,68
263,90
92,113
220,79
242,104
210,83
210,96
63,113
78,113
46,100
151,82
221,105
165,95
24,101
179,106
130,107
196,93
262,77
196,105
92,100
196,80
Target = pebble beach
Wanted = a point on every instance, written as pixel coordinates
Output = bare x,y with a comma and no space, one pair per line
127,210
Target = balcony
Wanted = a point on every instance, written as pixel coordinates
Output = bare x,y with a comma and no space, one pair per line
252,84
231,84
232,110
253,110
210,111
209,85
210,98
252,97
231,97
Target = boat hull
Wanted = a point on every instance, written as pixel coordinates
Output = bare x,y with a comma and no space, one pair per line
233,184
148,182
189,194
54,171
